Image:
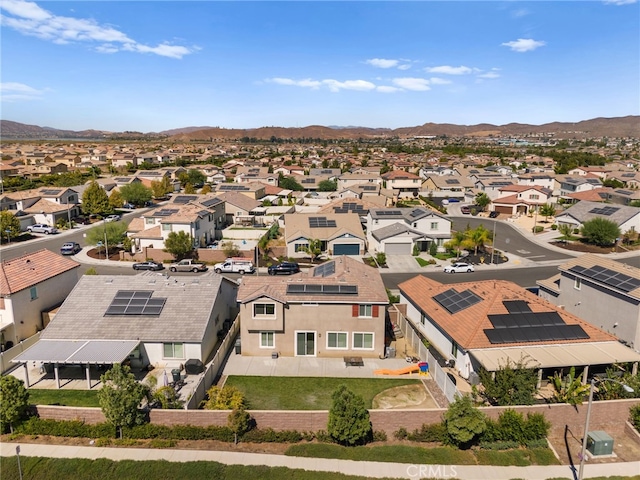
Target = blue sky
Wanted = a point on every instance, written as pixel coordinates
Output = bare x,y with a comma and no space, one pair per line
157,65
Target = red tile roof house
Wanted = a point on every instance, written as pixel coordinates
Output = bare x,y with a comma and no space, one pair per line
492,322
31,285
334,310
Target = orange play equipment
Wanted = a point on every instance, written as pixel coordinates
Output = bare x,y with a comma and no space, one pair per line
403,371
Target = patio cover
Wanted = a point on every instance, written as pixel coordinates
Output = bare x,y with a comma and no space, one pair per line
78,351
553,356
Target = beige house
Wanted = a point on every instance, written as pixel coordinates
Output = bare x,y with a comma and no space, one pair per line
336,309
29,286
339,233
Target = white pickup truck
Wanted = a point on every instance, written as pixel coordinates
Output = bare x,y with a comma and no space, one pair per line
188,265
235,265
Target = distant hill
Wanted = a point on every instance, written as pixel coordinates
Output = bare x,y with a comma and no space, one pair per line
598,127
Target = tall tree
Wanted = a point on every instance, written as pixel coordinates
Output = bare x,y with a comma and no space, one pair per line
9,226
111,232
478,237
328,186
178,244
349,422
95,200
547,210
14,401
116,200
289,183
136,193
314,248
482,200
159,188
120,397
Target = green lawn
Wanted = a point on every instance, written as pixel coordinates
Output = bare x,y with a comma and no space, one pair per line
68,398
306,393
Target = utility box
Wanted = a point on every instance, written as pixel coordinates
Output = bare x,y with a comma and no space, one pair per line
238,346
599,443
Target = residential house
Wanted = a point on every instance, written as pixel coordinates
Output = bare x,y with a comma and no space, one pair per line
492,184
256,174
30,286
253,190
145,319
544,180
623,216
491,323
624,196
397,231
43,205
347,180
452,185
336,309
604,292
521,199
124,160
404,184
339,234
240,209
200,216
567,184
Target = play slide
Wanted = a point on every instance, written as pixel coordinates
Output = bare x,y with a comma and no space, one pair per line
402,371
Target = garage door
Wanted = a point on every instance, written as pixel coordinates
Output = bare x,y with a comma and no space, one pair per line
504,209
346,249
397,248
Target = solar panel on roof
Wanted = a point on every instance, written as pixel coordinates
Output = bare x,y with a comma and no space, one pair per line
321,222
623,192
416,212
516,306
50,192
535,334
184,198
325,269
135,302
454,301
452,181
211,202
369,188
604,210
165,212
608,277
319,289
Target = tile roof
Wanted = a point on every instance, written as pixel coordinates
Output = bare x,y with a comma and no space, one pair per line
347,272
466,326
581,211
297,225
31,269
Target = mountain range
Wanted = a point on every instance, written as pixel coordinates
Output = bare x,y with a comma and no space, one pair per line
617,127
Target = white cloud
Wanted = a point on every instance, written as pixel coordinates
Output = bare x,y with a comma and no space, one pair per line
619,2
493,73
439,81
388,89
30,19
404,66
382,62
522,12
415,84
523,45
336,86
448,70
308,83
13,91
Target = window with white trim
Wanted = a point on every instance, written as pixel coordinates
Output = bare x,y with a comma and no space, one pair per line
267,339
166,227
434,225
577,283
173,350
363,341
365,311
264,310
300,247
337,340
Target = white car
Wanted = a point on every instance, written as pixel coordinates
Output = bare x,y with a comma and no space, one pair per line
112,218
459,267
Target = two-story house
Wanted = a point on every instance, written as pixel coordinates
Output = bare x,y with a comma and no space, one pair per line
404,184
336,309
31,285
521,199
339,234
601,291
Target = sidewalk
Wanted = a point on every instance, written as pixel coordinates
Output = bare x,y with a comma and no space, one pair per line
348,467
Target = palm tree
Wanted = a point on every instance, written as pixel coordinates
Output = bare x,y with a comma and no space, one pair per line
547,210
565,230
478,237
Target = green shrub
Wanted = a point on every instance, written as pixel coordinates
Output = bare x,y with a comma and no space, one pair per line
65,428
635,416
554,227
537,443
536,427
511,427
537,229
104,442
401,433
379,436
436,432
160,443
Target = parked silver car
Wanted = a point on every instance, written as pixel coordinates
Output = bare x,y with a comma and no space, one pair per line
42,228
459,267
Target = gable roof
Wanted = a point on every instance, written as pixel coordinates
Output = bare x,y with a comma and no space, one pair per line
298,224
347,271
394,230
184,316
31,269
467,326
583,211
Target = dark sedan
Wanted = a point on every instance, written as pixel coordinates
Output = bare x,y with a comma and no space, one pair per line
285,268
148,266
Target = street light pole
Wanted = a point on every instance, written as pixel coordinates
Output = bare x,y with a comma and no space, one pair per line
583,453
493,241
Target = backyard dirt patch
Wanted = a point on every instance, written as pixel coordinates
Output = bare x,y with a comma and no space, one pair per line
569,447
405,396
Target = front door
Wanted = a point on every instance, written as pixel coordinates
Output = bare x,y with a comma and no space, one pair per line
305,343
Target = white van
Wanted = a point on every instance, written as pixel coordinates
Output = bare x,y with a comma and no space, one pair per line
235,265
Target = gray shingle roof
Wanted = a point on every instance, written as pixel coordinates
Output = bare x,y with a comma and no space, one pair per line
184,318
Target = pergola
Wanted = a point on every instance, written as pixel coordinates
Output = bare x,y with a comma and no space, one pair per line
76,352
